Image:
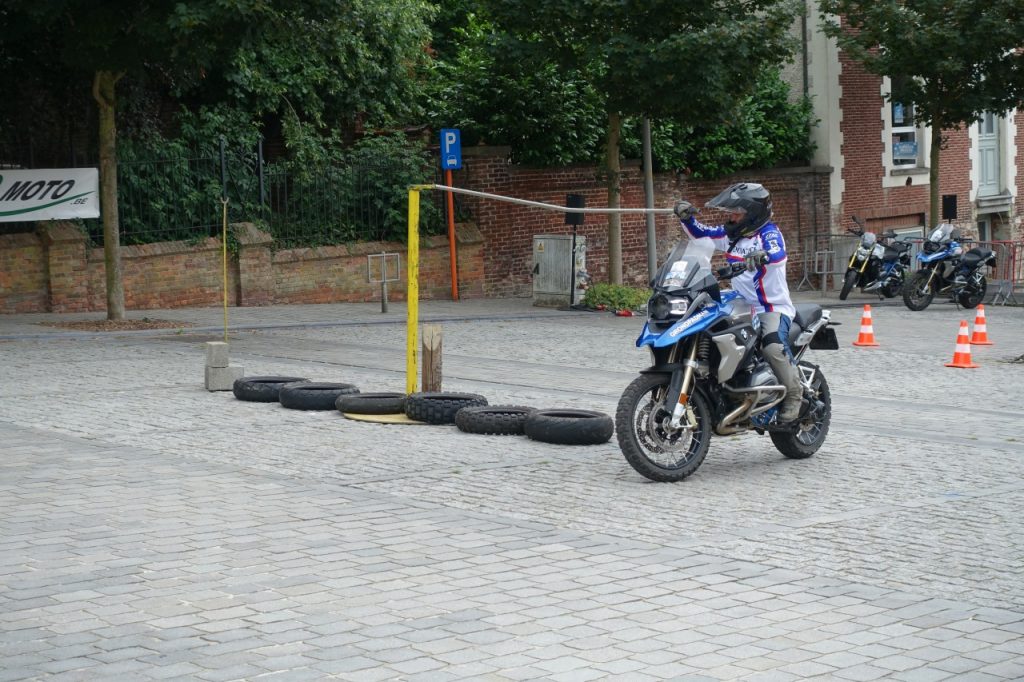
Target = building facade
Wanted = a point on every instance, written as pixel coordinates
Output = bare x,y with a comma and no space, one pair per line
879,152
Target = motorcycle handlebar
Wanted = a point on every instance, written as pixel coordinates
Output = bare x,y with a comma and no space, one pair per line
730,270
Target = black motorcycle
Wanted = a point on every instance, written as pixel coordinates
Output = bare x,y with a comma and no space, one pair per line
878,266
945,268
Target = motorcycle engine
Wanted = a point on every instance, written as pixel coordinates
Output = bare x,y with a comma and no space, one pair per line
760,374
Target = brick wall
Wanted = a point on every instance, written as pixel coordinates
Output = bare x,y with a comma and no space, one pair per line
23,275
56,271
800,196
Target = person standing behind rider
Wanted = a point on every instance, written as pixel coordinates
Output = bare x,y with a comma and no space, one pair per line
750,236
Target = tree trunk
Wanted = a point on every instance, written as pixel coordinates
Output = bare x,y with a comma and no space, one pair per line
103,86
614,192
934,152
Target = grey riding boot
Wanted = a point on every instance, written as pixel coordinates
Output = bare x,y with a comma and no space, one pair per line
785,371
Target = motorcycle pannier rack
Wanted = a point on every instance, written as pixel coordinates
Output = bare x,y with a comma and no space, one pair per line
825,339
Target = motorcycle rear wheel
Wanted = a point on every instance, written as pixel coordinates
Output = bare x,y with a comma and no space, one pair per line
811,431
970,296
914,294
648,444
892,287
848,281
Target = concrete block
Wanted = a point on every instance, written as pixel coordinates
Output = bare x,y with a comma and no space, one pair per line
216,354
222,378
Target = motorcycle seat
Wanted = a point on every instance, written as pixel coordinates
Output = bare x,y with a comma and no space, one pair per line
976,255
806,314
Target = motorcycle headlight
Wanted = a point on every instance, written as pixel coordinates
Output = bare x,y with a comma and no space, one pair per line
679,305
662,307
862,252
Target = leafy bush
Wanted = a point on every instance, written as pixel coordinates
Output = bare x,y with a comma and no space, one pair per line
615,296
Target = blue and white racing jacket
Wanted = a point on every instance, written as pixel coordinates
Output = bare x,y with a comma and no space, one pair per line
765,288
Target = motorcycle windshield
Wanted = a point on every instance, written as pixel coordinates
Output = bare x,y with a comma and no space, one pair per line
941,233
688,267
868,240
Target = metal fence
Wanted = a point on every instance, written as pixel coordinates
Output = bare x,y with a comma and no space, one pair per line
180,198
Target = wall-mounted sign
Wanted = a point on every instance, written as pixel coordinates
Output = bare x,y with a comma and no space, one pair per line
49,194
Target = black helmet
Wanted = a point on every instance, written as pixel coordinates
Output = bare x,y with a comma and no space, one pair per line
749,197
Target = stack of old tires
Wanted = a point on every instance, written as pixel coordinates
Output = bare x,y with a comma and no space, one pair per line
469,412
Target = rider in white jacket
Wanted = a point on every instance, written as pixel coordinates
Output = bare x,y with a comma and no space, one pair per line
750,236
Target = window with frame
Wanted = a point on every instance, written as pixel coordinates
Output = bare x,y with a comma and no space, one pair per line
905,132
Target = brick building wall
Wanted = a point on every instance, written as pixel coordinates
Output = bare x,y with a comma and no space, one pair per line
864,173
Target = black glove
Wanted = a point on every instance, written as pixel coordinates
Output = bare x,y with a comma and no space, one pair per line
684,210
755,259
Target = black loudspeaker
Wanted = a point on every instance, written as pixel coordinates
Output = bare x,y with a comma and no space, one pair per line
949,207
575,201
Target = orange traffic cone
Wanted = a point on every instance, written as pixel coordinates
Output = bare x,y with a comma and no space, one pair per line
980,335
867,333
962,356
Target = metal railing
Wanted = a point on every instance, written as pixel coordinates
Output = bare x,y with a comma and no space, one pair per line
179,197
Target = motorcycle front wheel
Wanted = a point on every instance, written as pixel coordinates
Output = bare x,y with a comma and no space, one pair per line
917,294
971,295
651,446
812,429
848,282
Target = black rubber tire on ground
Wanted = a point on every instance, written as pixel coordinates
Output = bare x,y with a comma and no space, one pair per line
499,420
262,389
440,407
313,395
371,403
848,281
569,427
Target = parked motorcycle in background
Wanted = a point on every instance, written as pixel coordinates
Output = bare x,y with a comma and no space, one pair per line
708,376
878,266
945,268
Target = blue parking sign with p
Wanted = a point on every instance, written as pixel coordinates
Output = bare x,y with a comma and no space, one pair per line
451,149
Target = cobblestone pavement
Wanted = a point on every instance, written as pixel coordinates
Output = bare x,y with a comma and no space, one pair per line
152,530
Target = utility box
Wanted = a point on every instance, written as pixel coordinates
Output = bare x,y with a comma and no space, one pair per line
553,269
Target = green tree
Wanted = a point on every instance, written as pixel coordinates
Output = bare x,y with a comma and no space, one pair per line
955,59
319,63
691,61
548,116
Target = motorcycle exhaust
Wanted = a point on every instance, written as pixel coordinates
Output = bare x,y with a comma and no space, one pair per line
725,427
751,406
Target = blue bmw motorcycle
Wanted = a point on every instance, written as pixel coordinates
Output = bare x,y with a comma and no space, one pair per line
946,269
707,373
